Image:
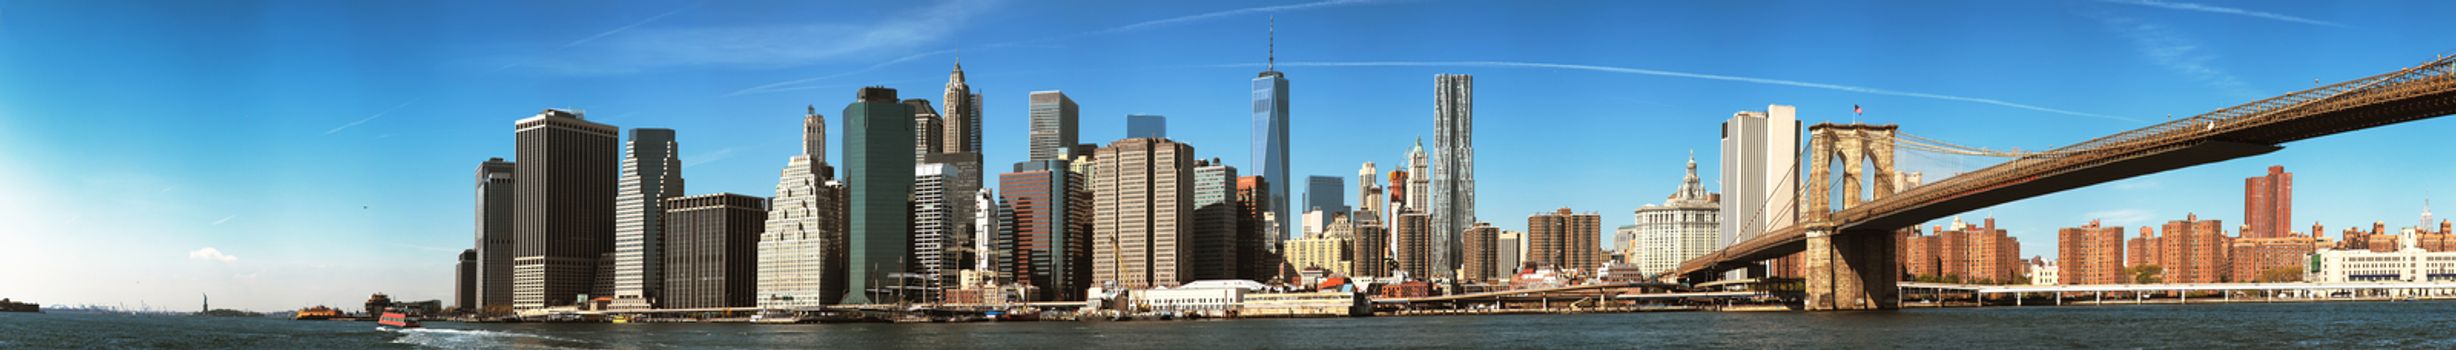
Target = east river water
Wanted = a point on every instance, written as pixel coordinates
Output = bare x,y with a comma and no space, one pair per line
2348,325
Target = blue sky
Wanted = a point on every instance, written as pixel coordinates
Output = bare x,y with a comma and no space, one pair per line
324,150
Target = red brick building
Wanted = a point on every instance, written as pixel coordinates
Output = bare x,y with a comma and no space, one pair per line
2090,254
2269,259
1917,254
2142,250
2268,204
2194,251
1968,254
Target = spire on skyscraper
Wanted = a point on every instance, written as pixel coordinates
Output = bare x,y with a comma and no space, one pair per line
1271,55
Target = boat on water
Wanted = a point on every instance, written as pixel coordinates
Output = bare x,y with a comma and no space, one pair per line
394,318
316,313
17,306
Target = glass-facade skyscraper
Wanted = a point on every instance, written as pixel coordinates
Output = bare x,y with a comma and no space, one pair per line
1146,126
1326,193
1052,125
1271,141
878,171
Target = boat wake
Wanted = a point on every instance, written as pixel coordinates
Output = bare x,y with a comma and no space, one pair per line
444,338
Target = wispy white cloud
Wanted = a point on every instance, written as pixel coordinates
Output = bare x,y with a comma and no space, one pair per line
705,158
426,248
2174,51
223,220
761,45
807,83
368,118
210,254
1704,76
1164,22
2185,6
628,27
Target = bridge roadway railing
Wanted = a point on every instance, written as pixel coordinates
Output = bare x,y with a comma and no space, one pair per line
1518,292
2091,288
2433,78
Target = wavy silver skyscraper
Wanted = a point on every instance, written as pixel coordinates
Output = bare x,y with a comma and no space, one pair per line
651,173
1453,178
802,252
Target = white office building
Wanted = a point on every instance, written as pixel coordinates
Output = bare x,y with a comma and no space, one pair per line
1683,227
2409,263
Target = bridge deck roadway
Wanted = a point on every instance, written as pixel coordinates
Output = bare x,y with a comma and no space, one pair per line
2245,130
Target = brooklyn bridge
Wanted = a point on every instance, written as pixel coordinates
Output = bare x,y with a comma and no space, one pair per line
1849,251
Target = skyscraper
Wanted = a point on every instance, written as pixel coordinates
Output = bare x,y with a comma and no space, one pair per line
1481,252
1453,177
1760,173
962,115
1256,260
651,173
1371,248
1270,133
1214,241
878,171
802,250
1146,126
494,235
1328,193
962,138
464,281
990,238
2268,204
928,130
1511,247
1142,192
1411,247
1419,180
1368,189
712,256
1563,239
936,245
2090,254
1052,225
1053,124
1683,227
564,207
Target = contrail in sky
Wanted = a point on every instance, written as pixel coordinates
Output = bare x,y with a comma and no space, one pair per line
1665,73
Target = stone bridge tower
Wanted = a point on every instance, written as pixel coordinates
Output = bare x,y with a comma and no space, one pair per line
1848,270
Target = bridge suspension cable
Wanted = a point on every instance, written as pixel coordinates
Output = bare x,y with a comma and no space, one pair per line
1919,143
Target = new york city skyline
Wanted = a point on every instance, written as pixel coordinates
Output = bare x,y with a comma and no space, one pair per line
289,163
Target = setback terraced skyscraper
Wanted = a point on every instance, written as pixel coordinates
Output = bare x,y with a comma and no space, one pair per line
802,252
564,207
651,173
